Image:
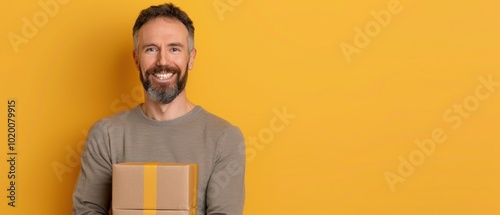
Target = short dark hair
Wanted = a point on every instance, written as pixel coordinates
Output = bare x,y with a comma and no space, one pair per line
168,10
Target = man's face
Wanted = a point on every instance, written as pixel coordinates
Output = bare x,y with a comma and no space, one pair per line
163,58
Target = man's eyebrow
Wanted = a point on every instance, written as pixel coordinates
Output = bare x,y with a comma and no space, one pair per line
148,45
176,44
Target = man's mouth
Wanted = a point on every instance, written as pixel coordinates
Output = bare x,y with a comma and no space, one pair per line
163,75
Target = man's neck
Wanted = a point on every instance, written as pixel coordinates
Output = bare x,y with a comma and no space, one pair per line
161,112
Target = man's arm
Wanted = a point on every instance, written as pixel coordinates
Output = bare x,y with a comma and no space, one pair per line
226,187
92,194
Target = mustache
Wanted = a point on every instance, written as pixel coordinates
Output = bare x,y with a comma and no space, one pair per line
163,68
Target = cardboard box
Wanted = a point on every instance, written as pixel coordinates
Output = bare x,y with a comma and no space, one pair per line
153,212
160,188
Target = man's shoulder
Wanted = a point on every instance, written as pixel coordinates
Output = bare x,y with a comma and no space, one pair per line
214,120
217,124
117,119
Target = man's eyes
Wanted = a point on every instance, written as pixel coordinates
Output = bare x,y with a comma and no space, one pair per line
152,49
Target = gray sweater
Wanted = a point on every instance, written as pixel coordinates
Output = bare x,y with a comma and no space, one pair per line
197,137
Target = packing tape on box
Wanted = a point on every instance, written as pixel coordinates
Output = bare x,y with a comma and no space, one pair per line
150,175
149,212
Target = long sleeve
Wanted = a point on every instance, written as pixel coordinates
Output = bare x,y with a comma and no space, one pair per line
226,187
92,194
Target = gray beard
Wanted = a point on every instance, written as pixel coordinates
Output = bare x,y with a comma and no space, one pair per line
165,96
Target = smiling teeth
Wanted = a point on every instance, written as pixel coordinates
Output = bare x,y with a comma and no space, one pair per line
163,75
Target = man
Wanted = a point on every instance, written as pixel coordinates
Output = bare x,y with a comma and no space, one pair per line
167,127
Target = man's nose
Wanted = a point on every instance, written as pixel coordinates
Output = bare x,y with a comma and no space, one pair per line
163,58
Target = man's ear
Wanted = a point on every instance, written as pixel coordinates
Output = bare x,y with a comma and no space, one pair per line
192,56
136,61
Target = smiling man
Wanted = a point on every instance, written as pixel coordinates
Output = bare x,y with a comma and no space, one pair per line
167,127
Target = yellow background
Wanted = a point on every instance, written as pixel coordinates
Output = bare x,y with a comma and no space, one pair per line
353,120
